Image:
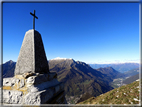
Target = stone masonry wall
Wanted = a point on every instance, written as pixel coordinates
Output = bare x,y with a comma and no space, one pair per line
34,89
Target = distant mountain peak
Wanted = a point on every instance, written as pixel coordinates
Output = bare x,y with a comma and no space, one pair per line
109,68
58,58
9,62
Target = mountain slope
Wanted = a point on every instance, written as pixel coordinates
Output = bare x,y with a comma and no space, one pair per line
131,79
79,77
128,94
132,72
8,69
110,72
96,66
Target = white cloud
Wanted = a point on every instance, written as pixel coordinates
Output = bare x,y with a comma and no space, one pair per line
58,58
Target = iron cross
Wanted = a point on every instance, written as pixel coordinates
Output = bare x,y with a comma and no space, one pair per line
34,16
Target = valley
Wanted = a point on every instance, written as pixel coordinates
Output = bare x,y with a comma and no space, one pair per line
117,82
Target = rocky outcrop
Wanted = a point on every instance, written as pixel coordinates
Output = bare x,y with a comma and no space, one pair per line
35,89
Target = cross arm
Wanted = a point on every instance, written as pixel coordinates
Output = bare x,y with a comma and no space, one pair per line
33,15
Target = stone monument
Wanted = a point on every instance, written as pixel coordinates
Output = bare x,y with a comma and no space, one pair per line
33,84
32,55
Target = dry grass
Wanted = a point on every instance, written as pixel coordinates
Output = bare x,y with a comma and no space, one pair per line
128,94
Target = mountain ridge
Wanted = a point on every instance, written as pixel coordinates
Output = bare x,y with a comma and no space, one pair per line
121,67
111,72
131,79
79,78
132,72
8,68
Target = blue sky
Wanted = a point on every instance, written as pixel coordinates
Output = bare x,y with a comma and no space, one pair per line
88,32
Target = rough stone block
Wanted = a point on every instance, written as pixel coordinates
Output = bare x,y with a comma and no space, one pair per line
32,98
12,97
40,97
42,93
42,86
41,78
10,81
22,83
27,74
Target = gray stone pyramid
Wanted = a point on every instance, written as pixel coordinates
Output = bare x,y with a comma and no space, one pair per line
32,57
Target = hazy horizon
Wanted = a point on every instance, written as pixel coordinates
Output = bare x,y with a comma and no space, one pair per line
88,63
